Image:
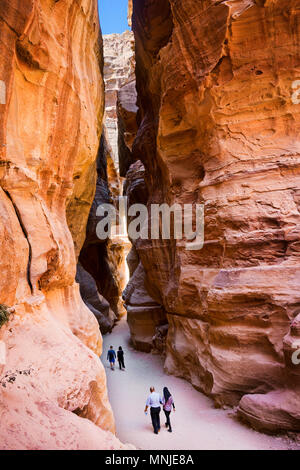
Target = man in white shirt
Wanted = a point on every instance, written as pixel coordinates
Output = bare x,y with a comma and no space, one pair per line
154,401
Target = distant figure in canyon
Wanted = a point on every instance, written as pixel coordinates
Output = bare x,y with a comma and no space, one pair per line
168,402
154,401
111,357
120,354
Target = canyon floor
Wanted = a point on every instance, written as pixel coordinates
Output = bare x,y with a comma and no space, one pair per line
196,423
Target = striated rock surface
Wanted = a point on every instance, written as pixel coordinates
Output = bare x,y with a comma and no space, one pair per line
144,314
218,126
127,125
119,70
51,118
94,300
105,260
100,258
159,340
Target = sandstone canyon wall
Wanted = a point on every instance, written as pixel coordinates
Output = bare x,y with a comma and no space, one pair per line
119,71
52,385
99,260
119,79
129,13
144,314
104,260
218,126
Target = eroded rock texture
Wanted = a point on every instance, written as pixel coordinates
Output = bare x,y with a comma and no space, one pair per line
218,126
144,314
119,70
100,258
51,119
129,15
127,125
104,260
94,300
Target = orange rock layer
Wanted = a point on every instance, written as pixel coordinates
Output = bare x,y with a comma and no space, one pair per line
51,111
219,125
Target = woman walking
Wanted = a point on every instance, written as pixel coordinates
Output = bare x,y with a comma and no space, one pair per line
168,402
120,354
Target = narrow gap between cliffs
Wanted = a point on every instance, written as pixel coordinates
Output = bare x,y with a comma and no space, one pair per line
102,269
110,272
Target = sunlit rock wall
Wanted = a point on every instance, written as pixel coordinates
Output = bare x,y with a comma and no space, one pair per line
51,110
219,125
129,15
119,70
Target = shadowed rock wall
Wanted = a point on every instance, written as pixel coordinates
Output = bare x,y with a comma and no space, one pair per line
100,258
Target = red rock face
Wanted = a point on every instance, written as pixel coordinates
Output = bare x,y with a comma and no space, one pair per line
144,314
219,125
51,106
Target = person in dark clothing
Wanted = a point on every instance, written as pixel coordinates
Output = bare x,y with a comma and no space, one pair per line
111,357
168,402
120,354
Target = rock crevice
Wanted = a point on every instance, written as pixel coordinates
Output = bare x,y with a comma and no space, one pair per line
26,237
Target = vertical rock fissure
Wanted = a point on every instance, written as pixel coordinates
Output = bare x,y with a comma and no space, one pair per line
25,233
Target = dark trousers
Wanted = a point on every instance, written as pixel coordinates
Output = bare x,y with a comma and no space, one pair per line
121,363
168,422
155,418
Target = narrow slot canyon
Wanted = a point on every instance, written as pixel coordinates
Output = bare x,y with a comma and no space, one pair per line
195,103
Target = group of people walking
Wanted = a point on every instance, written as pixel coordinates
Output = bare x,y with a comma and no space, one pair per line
111,357
153,402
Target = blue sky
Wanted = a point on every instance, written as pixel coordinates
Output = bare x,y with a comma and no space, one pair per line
113,16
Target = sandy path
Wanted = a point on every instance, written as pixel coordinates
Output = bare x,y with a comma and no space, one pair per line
196,423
